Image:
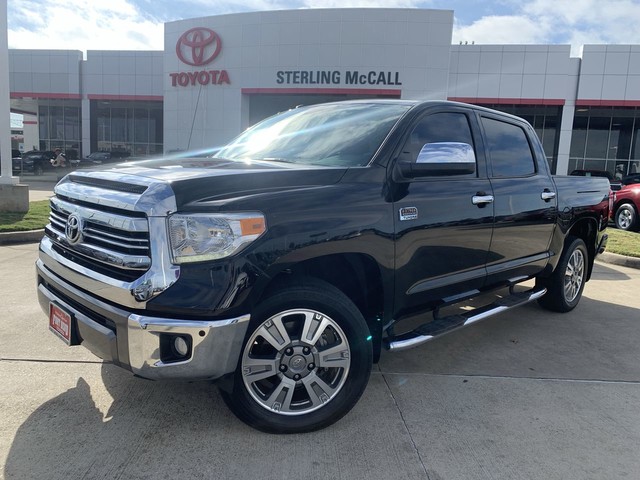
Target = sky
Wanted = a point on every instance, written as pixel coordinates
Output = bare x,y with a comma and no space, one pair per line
138,24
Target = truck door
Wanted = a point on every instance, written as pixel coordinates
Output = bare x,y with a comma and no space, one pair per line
443,223
525,200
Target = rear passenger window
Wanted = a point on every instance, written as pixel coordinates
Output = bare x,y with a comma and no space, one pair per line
438,127
508,148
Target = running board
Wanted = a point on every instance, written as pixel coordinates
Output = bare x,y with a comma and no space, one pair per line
440,326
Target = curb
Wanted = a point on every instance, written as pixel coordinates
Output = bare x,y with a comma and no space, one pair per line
622,260
30,236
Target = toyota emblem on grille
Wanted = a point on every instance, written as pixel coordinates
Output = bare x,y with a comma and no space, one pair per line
73,229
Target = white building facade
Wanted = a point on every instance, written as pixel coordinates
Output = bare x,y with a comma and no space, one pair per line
218,75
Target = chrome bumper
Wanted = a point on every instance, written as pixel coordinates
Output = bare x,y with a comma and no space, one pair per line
132,341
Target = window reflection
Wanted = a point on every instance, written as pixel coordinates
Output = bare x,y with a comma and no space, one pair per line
131,128
606,139
545,120
59,126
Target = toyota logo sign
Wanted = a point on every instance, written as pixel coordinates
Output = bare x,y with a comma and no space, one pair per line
198,46
73,229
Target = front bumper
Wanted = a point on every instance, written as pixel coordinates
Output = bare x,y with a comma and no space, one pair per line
133,341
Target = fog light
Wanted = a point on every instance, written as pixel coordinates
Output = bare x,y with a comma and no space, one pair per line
181,346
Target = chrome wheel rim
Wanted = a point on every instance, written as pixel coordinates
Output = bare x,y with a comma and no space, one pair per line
296,362
574,276
624,218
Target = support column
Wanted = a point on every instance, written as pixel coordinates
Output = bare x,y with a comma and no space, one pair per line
564,143
85,122
13,197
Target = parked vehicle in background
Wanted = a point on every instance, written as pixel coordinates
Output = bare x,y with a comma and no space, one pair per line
101,158
631,179
285,265
626,204
35,161
615,183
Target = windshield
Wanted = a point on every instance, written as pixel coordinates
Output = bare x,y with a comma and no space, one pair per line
345,135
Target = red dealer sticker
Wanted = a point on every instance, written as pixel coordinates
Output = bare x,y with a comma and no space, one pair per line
60,322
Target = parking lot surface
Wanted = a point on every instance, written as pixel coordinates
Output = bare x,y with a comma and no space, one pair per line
524,395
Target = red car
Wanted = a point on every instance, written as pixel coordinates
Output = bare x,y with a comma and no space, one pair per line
627,204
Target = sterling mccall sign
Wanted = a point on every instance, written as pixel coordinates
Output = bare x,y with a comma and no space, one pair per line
336,77
198,47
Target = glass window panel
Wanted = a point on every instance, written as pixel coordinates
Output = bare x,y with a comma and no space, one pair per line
620,139
573,164
71,124
598,137
118,125
508,148
635,146
595,164
141,125
579,136
155,126
56,123
621,169
43,122
550,134
104,125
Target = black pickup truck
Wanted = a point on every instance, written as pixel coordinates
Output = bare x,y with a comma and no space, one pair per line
283,266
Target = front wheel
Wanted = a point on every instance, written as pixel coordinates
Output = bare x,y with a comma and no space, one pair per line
565,286
626,217
305,363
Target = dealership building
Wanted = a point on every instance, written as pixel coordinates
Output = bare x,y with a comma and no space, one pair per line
218,75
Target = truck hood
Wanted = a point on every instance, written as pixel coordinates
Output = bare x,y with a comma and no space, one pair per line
215,181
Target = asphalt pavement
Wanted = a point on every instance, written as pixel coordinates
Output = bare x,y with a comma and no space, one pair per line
524,395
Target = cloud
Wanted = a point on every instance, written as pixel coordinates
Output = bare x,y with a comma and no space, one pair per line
557,22
500,30
82,25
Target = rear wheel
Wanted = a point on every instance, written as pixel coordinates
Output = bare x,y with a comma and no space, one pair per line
305,363
565,286
626,217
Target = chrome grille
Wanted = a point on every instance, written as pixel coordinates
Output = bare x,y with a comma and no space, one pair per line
114,243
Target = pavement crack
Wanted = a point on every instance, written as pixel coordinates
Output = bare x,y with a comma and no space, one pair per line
404,422
515,377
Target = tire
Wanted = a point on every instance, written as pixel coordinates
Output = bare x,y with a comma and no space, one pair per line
565,286
305,362
626,217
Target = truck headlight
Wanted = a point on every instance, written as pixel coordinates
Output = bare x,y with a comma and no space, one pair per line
199,237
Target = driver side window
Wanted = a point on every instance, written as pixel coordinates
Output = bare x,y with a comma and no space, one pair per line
435,128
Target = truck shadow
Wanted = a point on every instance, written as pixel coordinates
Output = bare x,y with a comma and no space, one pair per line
119,426
69,436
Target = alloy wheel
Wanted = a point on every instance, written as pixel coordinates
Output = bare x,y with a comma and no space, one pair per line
296,362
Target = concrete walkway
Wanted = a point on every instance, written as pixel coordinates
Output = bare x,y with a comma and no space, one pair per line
525,395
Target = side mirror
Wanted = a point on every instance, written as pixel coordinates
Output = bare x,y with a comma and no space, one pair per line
441,159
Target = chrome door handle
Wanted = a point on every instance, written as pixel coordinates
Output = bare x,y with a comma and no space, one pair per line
481,200
547,195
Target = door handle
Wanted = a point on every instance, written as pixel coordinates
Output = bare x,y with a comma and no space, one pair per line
481,200
547,195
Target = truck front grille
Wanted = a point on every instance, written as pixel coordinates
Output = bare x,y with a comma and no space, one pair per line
110,242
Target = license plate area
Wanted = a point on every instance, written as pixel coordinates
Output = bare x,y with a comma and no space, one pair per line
60,322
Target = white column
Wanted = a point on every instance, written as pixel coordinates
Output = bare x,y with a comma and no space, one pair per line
5,123
564,143
86,126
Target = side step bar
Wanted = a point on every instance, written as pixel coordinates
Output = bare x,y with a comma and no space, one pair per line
440,326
